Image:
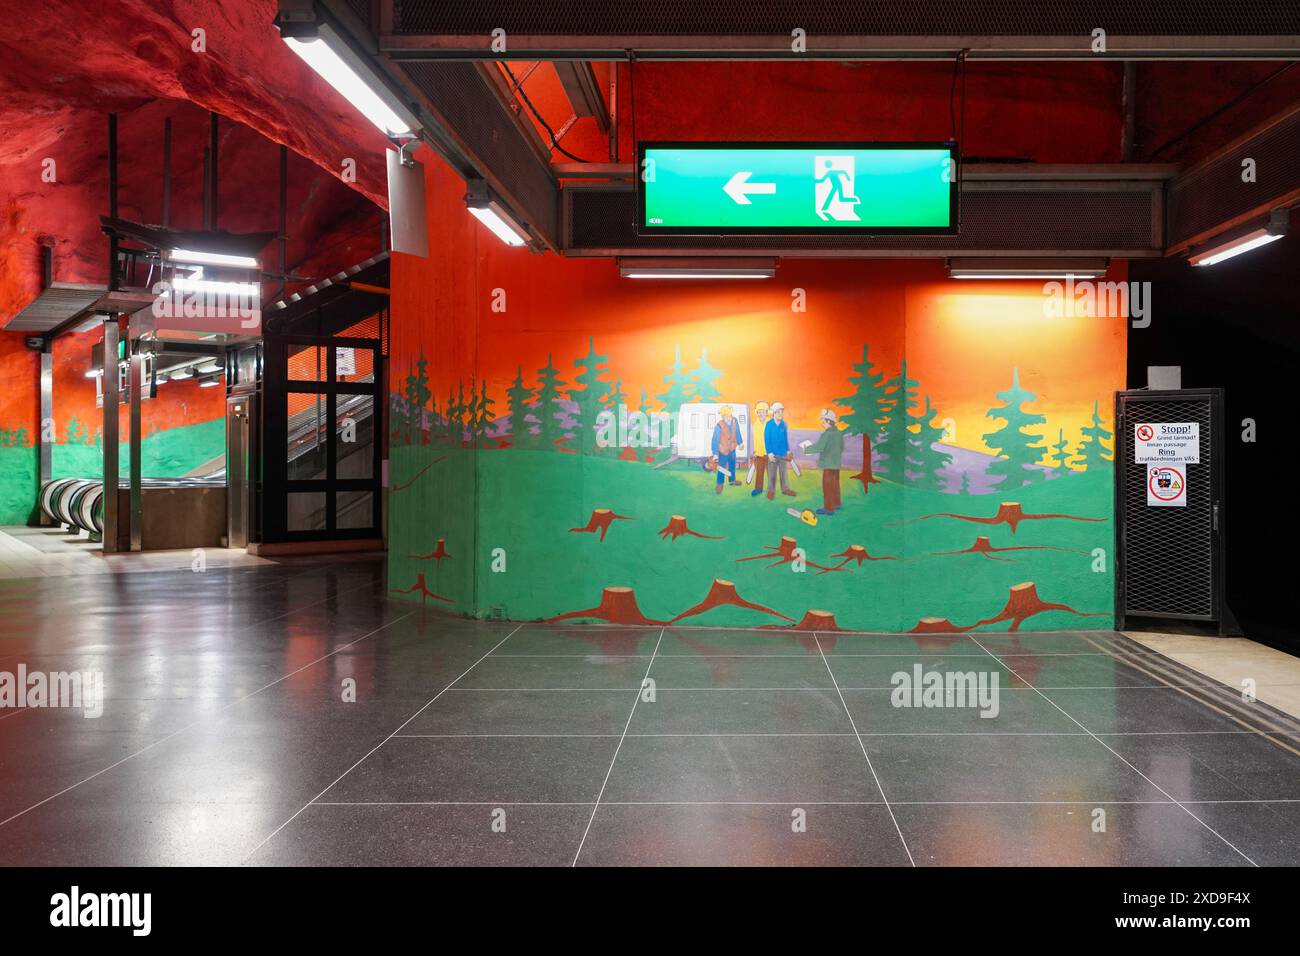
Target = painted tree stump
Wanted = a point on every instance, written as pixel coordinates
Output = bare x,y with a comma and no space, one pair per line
983,547
723,593
422,589
437,554
936,625
617,606
783,553
1023,602
600,520
677,527
1009,513
815,619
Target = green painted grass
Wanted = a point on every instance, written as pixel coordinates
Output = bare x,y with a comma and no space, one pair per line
527,501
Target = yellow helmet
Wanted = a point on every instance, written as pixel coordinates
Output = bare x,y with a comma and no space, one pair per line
760,407
725,410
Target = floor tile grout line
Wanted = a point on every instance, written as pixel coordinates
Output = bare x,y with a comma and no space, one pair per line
1123,760
870,766
194,723
822,687
381,743
636,700
895,733
794,802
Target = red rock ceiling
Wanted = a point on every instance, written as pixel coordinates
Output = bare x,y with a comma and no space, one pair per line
64,64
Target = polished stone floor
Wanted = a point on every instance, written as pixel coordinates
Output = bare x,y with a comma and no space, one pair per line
290,714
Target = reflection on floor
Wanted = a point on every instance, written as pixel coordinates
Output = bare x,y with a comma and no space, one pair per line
291,714
41,552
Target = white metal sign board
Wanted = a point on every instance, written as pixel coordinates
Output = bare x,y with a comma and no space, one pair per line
1167,443
1166,486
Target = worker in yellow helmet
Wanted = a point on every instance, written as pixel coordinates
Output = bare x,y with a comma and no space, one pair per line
758,456
726,439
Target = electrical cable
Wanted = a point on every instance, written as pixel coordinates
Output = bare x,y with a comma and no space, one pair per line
555,143
1219,112
958,66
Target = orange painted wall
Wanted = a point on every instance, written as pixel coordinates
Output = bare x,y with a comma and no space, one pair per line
962,338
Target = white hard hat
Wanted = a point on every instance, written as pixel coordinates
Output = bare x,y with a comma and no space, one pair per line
778,407
829,415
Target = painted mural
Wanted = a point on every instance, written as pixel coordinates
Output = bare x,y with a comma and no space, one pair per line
183,428
905,454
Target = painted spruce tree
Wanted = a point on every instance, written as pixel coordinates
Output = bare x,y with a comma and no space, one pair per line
548,409
923,462
893,444
1016,448
482,415
678,391
703,379
1062,448
869,406
417,394
1092,453
616,396
518,398
590,396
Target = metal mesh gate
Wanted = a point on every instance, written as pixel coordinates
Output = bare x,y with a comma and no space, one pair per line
1169,558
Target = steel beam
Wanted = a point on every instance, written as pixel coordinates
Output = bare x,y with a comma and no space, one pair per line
583,92
109,434
777,46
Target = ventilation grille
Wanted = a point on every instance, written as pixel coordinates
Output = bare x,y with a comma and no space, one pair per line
486,129
848,17
1213,194
1039,220
1168,552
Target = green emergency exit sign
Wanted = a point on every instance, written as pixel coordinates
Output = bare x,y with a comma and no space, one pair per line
789,189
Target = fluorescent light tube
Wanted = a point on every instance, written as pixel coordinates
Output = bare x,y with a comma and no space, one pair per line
211,258
500,226
1235,247
695,275
322,58
183,284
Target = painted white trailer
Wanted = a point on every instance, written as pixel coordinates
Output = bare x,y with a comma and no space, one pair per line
695,423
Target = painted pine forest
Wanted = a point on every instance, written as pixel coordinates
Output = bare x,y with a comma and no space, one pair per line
515,502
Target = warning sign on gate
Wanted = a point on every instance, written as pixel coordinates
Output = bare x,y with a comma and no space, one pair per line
1166,486
1167,442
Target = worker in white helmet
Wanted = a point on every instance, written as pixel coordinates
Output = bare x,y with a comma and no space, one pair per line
776,437
829,449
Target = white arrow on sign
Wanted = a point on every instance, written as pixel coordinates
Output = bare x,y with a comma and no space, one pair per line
739,188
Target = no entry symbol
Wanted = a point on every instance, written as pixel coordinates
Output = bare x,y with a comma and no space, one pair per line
1165,485
1145,432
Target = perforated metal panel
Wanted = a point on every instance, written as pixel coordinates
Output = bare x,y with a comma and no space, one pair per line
1169,559
486,132
1118,222
853,17
1204,198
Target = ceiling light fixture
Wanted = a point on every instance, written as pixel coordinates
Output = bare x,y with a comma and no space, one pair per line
1012,269
1220,249
325,50
209,382
487,210
702,268
184,284
212,258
